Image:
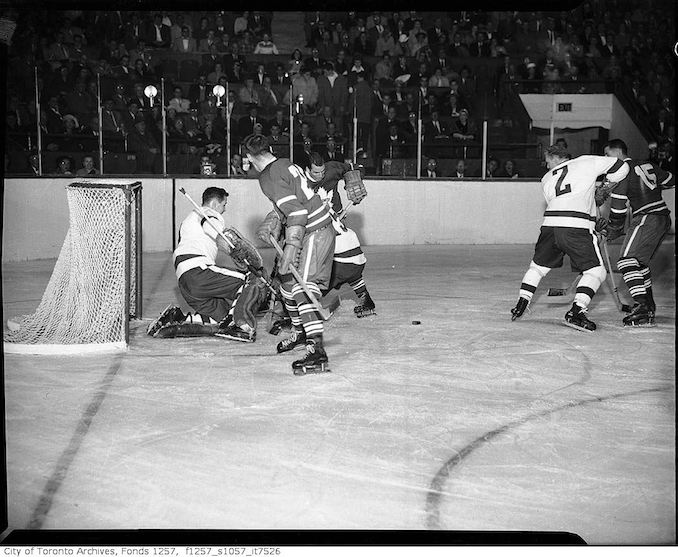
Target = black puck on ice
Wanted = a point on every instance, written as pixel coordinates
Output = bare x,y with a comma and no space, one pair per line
416,322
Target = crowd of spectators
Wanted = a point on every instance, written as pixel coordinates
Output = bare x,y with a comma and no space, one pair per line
386,70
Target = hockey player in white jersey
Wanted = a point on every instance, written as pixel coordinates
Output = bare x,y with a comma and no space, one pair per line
568,229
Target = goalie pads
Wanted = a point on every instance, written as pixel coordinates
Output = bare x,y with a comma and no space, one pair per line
184,330
243,251
270,226
355,189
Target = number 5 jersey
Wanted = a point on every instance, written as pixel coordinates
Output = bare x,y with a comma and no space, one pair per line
642,189
570,186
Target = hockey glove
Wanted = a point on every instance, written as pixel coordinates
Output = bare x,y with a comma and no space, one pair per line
603,191
270,226
293,241
355,189
244,254
610,230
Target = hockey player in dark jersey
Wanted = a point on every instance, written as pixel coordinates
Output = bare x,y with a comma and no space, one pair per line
349,260
650,221
568,229
309,246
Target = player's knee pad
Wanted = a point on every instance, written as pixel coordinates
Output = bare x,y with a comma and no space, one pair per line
626,264
541,271
596,273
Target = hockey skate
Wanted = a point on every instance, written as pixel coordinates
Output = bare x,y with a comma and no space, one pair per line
228,329
576,318
641,316
315,360
298,338
171,314
365,306
520,308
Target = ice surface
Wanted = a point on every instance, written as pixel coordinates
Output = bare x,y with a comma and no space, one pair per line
467,421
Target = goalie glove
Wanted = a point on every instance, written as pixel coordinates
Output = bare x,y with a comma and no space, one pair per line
270,226
355,189
243,252
294,236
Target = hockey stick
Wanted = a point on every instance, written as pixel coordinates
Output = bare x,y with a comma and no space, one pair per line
624,308
318,306
564,291
341,215
257,272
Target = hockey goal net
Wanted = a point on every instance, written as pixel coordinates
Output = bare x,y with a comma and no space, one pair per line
95,287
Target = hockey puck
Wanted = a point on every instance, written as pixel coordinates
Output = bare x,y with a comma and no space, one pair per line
416,322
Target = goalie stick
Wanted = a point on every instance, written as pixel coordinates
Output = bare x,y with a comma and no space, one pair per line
257,272
318,306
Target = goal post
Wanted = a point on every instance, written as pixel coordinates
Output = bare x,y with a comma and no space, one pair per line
95,287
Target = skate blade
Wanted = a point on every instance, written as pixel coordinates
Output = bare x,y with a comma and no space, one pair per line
365,314
155,325
309,370
229,337
640,325
556,292
577,327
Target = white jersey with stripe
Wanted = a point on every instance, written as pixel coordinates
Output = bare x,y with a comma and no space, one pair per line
570,186
197,243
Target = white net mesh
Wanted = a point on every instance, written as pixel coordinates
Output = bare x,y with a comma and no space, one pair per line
85,300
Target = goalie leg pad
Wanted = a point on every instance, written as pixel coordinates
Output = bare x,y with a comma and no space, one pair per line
247,304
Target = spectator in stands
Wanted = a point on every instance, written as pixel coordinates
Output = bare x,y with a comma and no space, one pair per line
246,123
333,92
209,140
209,40
130,114
246,43
460,169
295,63
79,101
480,48
277,136
236,165
463,128
145,146
383,70
438,79
265,46
88,168
218,72
345,44
58,52
341,65
178,23
314,62
53,117
457,48
417,43
282,120
64,166
268,98
509,170
120,98
361,100
33,164
185,43
327,50
431,170
362,45
385,43
178,102
122,71
142,72
305,84
241,24
331,152
177,137
159,35
435,130
248,94
492,169
199,91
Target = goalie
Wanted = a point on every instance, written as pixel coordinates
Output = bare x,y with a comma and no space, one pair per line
213,278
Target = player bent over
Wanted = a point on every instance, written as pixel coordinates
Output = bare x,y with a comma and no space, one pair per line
309,245
225,299
651,220
568,229
349,260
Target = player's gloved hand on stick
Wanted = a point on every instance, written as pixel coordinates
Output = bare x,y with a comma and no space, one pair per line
610,231
601,226
355,189
603,191
293,241
270,226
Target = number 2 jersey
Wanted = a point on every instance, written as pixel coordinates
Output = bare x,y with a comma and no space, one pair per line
642,190
285,184
570,186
